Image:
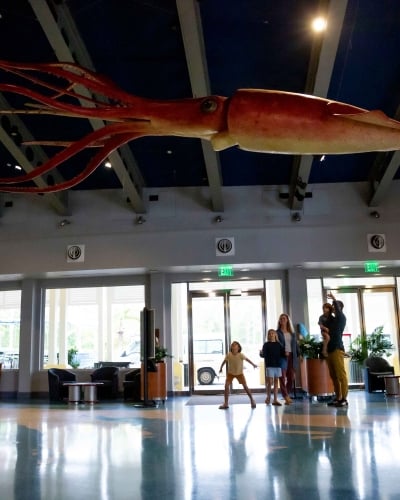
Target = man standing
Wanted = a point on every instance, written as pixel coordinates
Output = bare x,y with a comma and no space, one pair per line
335,348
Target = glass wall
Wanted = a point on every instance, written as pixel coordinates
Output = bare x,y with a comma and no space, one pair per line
369,302
10,316
219,311
84,326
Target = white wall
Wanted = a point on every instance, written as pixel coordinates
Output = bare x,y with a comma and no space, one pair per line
180,230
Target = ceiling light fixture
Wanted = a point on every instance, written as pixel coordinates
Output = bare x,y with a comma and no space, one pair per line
218,219
319,24
140,220
375,214
108,164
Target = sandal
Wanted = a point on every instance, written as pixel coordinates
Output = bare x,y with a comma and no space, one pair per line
267,401
276,403
223,407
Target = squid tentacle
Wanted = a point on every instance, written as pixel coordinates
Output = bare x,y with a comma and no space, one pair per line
109,146
91,140
65,109
74,74
59,91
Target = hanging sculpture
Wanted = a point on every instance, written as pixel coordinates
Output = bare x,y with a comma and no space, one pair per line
254,120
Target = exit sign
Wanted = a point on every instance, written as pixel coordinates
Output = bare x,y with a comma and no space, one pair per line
225,271
371,266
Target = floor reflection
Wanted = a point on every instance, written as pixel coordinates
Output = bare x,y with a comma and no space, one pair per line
115,451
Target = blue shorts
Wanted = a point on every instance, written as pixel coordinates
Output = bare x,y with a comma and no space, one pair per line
273,372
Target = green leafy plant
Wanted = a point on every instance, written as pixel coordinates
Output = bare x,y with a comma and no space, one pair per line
310,347
72,359
161,354
375,344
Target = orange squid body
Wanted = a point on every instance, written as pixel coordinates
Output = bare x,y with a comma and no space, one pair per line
283,122
265,121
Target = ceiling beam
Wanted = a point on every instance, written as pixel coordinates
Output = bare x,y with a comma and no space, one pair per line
322,60
383,171
385,166
71,48
193,41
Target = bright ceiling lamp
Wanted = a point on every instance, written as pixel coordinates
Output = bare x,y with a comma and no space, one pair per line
319,24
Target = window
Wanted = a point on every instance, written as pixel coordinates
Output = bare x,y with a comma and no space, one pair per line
10,314
84,326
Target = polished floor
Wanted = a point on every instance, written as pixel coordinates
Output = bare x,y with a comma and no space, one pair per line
189,449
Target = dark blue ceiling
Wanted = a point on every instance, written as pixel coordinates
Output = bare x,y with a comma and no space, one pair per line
248,44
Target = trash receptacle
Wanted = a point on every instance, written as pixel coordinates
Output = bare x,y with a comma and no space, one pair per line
392,385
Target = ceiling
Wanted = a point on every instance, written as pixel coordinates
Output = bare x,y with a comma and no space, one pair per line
175,49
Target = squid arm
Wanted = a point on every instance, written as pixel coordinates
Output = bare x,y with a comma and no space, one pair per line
252,119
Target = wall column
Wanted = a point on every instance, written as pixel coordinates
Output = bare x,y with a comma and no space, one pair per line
30,335
297,293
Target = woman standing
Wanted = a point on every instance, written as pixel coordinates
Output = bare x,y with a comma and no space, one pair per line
289,363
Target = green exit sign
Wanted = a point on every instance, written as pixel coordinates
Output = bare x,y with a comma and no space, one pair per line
371,266
225,271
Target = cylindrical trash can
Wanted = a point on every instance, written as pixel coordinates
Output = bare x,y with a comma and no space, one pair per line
392,385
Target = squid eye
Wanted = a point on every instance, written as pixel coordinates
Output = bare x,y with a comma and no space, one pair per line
209,105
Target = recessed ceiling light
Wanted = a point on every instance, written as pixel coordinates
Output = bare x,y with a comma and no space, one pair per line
319,24
108,164
345,267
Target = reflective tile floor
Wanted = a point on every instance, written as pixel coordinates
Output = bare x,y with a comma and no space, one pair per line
185,450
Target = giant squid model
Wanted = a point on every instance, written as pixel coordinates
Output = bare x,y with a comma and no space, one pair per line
254,120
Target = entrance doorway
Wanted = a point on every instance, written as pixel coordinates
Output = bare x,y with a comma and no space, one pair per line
215,320
367,308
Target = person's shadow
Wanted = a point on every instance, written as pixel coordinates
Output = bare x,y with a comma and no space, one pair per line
237,443
340,457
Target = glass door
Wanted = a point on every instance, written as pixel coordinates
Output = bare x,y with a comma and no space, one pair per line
246,326
380,309
208,341
366,309
216,320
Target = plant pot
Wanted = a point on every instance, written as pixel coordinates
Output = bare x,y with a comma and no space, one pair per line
315,377
157,383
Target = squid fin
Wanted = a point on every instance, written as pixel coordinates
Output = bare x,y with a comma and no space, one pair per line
376,117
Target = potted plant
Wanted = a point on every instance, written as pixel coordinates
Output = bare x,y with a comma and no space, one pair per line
314,369
72,357
161,353
310,347
365,347
157,380
373,345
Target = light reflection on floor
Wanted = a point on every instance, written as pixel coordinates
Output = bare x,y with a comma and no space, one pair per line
117,451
